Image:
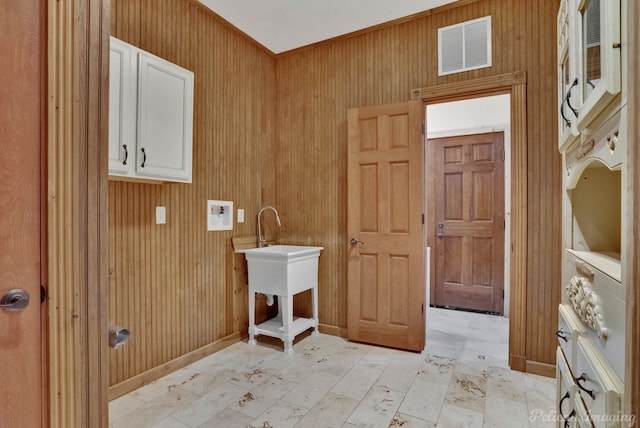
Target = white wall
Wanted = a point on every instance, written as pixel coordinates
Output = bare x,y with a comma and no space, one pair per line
486,113
475,116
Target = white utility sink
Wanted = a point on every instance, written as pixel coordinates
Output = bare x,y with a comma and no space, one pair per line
282,270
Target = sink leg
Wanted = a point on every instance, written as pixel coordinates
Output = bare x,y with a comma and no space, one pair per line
252,317
287,321
314,303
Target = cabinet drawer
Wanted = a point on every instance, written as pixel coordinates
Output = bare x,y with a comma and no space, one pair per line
569,328
603,312
597,386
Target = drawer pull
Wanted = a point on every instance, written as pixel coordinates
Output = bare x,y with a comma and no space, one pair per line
572,414
583,378
562,335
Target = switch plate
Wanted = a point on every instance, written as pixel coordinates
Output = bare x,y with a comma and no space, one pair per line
161,215
240,215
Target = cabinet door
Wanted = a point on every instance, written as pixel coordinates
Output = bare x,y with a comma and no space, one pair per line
599,55
122,109
165,120
567,76
565,392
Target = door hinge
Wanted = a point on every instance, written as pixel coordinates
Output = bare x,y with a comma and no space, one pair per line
43,293
503,294
422,218
422,128
422,309
503,155
504,224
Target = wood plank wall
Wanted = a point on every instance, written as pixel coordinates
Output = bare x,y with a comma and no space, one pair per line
317,85
272,130
171,284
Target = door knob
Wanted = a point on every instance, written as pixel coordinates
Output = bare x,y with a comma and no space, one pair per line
15,300
440,235
355,241
440,225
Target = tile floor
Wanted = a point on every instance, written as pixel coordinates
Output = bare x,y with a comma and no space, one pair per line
461,380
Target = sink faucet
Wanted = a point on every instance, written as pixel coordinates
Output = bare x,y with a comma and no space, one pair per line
261,239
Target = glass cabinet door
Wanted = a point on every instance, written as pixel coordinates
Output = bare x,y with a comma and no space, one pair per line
567,77
599,56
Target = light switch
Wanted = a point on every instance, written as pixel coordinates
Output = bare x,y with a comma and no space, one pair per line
240,215
161,215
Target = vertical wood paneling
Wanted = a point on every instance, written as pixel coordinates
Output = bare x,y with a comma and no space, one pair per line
315,87
171,284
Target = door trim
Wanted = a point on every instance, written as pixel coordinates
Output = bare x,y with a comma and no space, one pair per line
77,197
516,85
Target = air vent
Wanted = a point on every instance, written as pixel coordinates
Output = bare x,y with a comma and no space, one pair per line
465,46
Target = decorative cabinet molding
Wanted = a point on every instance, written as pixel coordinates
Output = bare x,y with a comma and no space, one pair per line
150,116
587,305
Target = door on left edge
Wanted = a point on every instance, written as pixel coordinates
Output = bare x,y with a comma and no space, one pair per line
21,141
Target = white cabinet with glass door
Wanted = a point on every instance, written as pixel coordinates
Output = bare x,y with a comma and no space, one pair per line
589,63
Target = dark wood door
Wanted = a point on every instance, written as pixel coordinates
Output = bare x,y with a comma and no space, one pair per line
21,95
467,234
386,279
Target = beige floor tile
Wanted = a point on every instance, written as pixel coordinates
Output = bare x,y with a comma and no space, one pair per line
461,379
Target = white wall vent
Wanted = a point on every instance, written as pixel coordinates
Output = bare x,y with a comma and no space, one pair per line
465,46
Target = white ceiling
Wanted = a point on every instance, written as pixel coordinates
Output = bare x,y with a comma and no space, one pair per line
282,25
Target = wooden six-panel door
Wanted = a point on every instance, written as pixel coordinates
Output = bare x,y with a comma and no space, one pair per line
386,282
467,197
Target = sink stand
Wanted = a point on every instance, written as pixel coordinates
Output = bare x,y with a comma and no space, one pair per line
283,271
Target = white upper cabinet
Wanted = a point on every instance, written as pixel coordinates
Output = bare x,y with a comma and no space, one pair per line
589,63
122,110
150,116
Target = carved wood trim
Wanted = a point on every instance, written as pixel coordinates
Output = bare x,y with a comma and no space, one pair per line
585,148
587,305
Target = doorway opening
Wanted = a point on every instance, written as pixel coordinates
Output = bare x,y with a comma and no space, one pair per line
468,199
